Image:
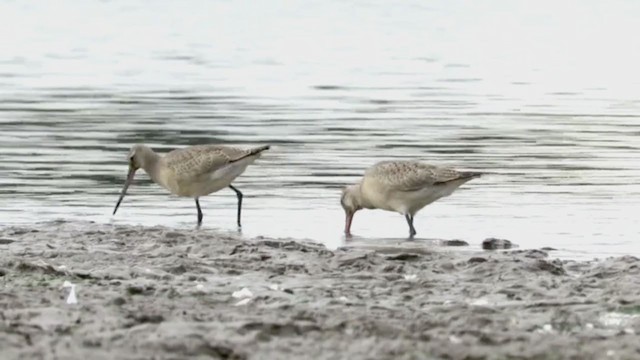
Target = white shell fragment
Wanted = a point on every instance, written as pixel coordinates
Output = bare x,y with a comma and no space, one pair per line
72,298
242,294
243,302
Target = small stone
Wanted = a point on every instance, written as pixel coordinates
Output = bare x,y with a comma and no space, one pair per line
454,243
140,289
404,257
476,260
494,244
4,241
119,301
173,235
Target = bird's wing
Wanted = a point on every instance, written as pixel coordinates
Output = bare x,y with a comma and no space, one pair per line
199,160
410,175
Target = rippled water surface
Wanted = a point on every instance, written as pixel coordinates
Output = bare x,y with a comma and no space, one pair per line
545,97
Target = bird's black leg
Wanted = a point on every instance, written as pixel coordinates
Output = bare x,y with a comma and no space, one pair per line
239,194
412,230
199,212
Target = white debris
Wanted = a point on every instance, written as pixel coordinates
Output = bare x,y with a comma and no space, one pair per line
62,267
411,277
200,287
454,339
629,331
243,302
71,299
343,299
480,302
617,320
242,294
546,328
589,326
611,353
275,287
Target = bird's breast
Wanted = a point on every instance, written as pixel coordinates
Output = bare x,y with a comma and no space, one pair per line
375,195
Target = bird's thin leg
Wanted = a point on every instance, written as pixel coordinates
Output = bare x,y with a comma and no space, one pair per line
239,194
412,230
199,212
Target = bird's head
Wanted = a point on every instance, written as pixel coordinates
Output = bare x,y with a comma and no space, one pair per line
350,202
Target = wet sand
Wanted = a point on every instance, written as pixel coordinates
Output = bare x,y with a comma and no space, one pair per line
172,294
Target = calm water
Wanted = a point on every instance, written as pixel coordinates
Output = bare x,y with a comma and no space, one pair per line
544,96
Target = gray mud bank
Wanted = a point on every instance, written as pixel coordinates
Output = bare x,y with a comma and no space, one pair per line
157,293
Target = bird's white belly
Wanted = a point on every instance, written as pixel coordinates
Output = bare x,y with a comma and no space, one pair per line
215,181
404,202
409,202
416,200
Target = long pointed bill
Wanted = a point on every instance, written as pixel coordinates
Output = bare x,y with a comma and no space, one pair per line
347,224
128,182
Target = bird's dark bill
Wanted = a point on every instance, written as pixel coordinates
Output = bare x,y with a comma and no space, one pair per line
128,182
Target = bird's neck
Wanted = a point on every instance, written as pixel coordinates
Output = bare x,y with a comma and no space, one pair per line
362,199
152,165
369,195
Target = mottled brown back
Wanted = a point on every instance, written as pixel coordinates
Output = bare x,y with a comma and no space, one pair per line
203,159
412,175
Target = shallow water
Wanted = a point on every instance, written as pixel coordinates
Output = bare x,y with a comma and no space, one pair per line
544,99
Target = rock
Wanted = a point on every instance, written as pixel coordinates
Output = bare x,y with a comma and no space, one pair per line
454,243
553,267
494,244
4,241
476,259
173,235
404,257
119,301
531,253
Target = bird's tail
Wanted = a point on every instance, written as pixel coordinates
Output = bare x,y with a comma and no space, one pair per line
253,152
469,174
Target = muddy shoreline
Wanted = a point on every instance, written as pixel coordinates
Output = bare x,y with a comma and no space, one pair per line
154,292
